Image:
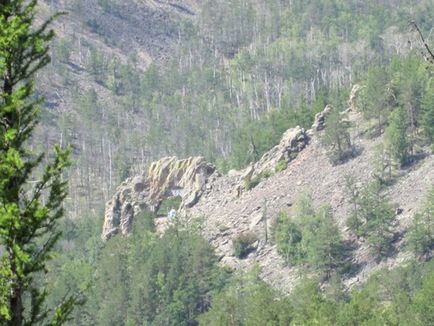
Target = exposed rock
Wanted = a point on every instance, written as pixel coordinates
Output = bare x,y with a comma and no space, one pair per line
293,141
247,175
165,178
319,122
352,102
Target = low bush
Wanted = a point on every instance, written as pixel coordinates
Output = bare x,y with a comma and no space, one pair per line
243,244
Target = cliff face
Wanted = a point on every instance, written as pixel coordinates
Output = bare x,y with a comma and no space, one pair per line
165,178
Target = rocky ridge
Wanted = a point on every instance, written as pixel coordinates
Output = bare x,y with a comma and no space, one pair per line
230,208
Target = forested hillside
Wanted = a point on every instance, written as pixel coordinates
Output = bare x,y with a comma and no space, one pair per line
136,80
132,81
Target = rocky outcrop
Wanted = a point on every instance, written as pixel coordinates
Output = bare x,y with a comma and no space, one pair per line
319,121
352,101
165,178
293,141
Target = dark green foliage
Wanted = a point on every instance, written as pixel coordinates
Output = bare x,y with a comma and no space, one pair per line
428,112
247,300
142,279
395,138
337,137
29,212
242,244
288,238
310,304
372,218
422,305
242,74
376,97
310,237
401,296
390,297
420,238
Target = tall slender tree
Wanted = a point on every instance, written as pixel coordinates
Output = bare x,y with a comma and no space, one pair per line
31,194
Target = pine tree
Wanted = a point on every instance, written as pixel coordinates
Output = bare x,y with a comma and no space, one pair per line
337,137
420,238
428,112
396,140
372,219
29,209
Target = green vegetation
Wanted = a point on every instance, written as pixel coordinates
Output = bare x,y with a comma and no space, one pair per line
240,74
247,300
428,112
336,137
281,166
372,219
396,143
251,183
32,188
391,297
420,238
164,280
169,203
243,244
310,237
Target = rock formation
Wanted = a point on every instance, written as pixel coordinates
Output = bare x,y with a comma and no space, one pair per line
165,178
231,209
319,121
293,141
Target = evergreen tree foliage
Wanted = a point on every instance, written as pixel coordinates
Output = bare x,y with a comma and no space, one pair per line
310,237
372,219
399,296
428,112
420,238
30,202
397,144
142,279
376,97
247,300
337,137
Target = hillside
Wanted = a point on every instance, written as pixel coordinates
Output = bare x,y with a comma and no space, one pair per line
292,139
221,76
225,209
94,37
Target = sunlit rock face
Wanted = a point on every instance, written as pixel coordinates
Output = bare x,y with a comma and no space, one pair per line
165,178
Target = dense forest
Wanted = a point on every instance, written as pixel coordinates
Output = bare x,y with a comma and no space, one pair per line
230,80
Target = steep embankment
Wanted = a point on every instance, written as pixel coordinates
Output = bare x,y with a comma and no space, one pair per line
228,208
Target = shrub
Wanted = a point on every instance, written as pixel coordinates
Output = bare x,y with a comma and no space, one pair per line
251,183
281,165
243,244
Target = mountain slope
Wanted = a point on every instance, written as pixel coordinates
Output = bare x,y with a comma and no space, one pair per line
226,208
